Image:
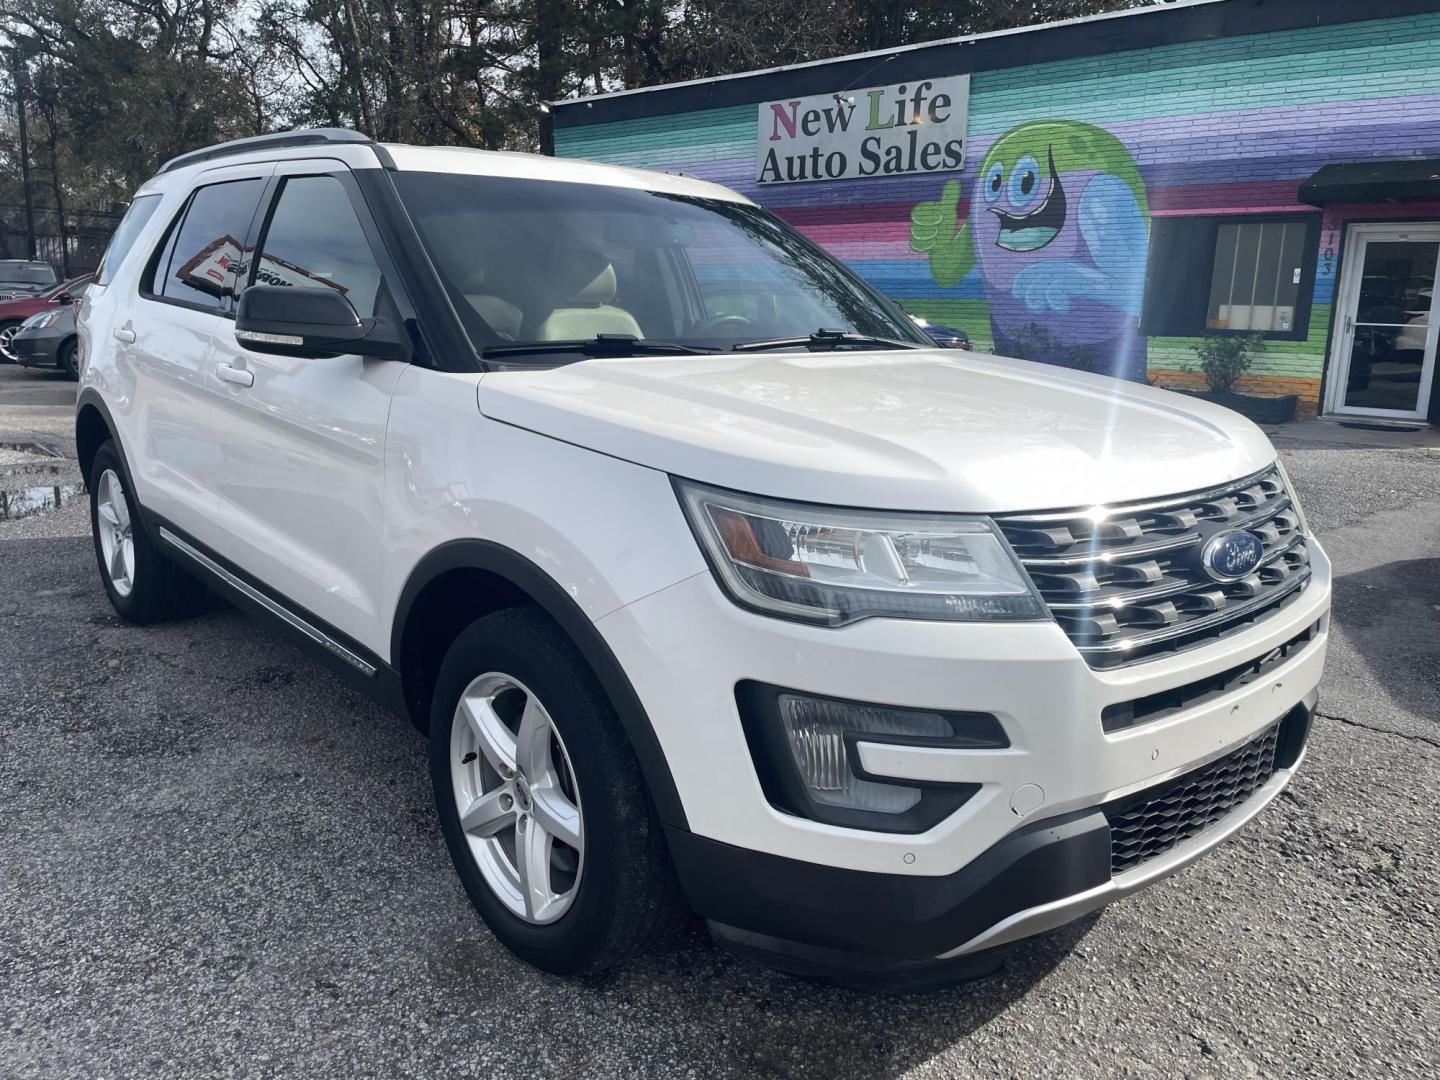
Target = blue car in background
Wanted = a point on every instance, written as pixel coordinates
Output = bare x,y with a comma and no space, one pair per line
945,336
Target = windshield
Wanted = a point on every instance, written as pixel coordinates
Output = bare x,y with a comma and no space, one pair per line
534,261
27,274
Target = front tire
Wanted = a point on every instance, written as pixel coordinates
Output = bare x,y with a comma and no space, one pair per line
69,359
541,800
143,586
7,338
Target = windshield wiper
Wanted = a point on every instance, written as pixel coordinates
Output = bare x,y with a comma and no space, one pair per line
827,341
599,345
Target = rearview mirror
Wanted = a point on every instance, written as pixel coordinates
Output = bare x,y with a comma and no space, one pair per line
313,323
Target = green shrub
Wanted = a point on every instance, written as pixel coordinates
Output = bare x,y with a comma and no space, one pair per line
1225,357
1034,342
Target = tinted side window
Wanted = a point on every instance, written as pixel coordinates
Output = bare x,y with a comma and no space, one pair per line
199,261
130,227
315,241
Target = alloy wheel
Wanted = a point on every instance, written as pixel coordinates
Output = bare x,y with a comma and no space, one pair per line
117,542
7,338
516,795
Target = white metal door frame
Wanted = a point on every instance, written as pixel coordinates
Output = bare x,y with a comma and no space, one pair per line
1347,300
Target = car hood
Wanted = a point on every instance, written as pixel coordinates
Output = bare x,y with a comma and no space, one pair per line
925,429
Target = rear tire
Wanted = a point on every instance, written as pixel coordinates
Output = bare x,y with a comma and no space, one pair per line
68,359
609,890
142,584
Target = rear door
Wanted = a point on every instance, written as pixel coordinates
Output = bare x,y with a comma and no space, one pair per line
165,345
297,467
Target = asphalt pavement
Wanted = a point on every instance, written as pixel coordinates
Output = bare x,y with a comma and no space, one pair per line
217,861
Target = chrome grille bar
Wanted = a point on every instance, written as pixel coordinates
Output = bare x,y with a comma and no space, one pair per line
1152,504
1230,614
1126,582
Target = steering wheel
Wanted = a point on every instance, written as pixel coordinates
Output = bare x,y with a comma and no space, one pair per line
706,327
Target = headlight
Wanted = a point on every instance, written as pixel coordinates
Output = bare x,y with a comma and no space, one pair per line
833,566
42,320
1294,498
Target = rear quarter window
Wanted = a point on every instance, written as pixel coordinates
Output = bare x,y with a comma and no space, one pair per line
197,263
123,239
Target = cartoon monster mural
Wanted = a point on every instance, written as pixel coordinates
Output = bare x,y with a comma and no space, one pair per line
1060,227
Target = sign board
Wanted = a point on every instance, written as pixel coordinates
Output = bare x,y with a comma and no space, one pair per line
210,270
912,127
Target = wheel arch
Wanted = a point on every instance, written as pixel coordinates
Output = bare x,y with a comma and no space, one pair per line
462,580
93,426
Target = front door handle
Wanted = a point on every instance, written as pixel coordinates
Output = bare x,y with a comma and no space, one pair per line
125,334
238,376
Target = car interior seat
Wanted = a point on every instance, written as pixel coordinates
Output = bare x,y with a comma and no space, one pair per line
499,314
584,287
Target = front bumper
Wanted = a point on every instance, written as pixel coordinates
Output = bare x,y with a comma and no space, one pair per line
1027,852
908,930
39,348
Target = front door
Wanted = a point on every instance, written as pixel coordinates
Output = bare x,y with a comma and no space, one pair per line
1383,352
300,466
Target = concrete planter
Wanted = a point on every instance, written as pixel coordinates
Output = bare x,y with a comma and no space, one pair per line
1263,410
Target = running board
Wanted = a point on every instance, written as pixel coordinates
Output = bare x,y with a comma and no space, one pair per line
318,636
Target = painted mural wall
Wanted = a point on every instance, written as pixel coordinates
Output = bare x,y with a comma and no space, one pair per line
1039,246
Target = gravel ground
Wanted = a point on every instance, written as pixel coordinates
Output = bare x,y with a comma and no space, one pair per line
216,861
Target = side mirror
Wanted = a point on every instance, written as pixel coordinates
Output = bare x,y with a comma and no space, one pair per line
64,298
313,323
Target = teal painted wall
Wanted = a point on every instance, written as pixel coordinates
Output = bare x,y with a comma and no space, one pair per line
1221,127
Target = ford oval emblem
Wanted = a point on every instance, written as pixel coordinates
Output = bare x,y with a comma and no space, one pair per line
1232,555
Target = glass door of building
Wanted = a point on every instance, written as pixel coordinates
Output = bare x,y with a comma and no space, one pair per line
1382,358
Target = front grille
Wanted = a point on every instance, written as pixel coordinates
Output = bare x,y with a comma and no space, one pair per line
1126,584
1151,822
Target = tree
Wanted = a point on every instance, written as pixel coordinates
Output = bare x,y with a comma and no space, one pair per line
118,86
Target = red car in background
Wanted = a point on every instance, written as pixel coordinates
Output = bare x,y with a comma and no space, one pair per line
16,311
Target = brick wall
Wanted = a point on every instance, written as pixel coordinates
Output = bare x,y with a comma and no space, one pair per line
1225,127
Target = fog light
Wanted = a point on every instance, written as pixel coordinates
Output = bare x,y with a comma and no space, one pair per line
803,746
816,732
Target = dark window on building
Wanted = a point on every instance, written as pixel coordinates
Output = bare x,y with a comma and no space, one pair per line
1231,275
315,240
198,264
125,235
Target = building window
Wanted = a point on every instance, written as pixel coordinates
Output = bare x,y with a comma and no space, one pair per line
1231,275
1257,276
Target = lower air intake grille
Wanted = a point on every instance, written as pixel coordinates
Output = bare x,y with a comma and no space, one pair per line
1151,822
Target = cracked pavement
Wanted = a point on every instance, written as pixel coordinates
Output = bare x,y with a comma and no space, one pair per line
216,861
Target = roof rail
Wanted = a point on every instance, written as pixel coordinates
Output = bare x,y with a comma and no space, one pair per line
304,137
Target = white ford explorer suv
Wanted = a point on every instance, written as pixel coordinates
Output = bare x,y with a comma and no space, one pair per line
717,587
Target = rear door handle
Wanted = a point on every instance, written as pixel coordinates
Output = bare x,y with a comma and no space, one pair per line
125,334
238,376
